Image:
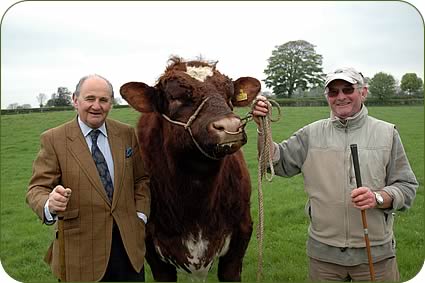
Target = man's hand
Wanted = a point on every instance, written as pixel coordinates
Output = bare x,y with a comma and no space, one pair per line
363,198
261,108
58,199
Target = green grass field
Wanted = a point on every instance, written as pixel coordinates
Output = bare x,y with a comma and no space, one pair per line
24,240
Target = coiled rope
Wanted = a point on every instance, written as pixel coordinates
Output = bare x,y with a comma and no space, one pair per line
265,161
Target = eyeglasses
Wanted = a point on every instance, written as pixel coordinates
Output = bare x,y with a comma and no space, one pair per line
333,92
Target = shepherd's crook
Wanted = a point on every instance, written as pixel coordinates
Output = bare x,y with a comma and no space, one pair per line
61,240
355,156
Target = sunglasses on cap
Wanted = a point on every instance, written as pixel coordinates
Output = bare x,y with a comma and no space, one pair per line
347,90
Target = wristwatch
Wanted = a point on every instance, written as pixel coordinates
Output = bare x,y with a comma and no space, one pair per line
379,199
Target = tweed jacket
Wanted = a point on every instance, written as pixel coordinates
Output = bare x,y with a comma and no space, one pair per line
65,159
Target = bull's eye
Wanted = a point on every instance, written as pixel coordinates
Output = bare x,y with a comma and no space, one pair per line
183,97
176,91
180,94
179,101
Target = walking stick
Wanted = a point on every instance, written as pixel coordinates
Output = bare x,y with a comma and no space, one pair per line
61,240
355,156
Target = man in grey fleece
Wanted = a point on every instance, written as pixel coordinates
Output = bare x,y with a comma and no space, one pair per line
321,152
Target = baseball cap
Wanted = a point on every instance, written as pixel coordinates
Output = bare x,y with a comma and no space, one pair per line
347,74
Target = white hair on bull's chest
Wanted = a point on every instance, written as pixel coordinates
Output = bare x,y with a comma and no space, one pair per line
198,262
199,73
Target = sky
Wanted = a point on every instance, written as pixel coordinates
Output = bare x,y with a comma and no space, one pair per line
51,44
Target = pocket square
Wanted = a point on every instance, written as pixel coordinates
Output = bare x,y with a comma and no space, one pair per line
128,152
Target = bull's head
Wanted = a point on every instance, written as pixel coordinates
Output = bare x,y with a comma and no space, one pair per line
194,97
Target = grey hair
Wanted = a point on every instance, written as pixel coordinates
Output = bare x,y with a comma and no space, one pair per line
362,83
83,79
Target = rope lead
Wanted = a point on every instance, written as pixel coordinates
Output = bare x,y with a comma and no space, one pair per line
264,161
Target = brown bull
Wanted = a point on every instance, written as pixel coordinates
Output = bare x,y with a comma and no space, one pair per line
190,142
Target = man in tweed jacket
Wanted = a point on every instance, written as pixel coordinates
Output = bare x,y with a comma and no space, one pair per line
104,239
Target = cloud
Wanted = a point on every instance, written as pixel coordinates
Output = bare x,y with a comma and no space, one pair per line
50,44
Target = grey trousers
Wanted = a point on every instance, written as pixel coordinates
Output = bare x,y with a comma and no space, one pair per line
385,270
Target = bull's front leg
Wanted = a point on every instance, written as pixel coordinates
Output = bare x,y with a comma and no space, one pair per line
230,265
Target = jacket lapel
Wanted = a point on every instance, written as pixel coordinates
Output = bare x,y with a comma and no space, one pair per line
118,155
79,149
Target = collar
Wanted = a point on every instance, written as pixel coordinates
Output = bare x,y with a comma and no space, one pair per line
353,122
86,129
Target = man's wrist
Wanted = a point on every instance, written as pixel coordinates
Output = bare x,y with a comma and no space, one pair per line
379,199
260,133
385,198
49,217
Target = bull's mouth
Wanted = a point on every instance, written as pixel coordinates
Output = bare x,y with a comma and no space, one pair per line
229,146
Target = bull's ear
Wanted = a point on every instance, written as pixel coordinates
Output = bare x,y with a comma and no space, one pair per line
139,95
245,91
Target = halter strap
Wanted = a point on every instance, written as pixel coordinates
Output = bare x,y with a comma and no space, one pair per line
189,123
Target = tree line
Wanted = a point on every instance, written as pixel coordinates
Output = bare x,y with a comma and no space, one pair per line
61,98
294,70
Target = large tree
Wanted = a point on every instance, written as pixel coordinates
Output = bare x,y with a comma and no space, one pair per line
411,84
293,65
61,98
382,85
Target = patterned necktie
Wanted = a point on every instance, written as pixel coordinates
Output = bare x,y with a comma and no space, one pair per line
101,164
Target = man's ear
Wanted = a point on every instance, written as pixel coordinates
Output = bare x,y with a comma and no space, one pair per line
139,95
74,100
365,92
245,91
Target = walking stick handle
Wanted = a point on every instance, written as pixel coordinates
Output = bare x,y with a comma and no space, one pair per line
61,240
355,156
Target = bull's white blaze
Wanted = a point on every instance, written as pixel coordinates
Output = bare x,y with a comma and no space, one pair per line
199,73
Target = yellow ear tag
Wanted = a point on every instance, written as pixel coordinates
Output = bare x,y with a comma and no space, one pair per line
241,96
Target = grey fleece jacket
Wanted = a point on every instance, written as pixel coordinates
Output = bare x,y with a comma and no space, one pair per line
321,152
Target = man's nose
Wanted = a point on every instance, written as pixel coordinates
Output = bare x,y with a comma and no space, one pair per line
96,104
339,92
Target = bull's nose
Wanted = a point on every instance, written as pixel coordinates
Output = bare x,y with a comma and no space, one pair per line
228,124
